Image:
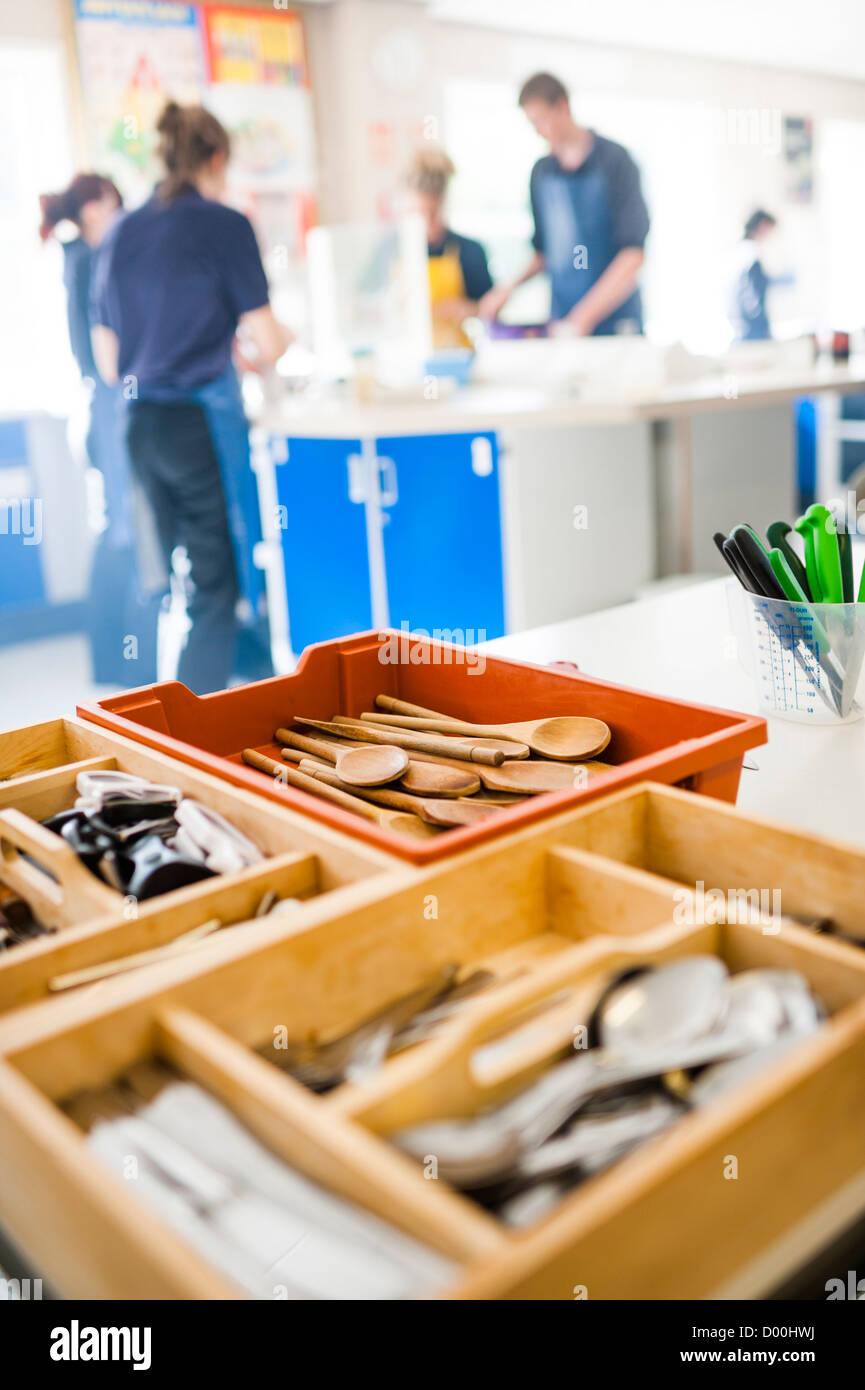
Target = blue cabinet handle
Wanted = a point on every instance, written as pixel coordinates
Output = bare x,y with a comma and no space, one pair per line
388,485
357,490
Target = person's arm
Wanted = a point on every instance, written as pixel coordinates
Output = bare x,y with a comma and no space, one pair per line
492,303
477,282
105,352
268,338
103,337
495,299
261,339
77,275
611,289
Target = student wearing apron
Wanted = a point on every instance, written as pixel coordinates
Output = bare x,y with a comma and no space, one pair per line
458,271
591,222
178,278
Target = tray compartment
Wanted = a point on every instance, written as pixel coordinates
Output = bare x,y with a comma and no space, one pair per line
695,840
93,922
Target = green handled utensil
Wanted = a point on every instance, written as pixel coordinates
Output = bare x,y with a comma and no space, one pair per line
806,526
776,535
827,557
795,592
845,551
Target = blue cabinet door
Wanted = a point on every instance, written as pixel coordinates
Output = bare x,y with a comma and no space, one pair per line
442,533
323,539
21,582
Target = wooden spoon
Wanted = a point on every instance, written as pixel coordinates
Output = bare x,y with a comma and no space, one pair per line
394,820
425,779
568,736
532,777
440,813
371,766
465,749
297,755
384,722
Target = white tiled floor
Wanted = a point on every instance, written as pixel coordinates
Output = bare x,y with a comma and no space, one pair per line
45,679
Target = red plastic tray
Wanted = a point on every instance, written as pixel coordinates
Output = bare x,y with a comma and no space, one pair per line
653,738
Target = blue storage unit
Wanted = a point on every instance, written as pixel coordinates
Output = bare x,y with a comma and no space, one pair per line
21,583
393,532
442,533
324,542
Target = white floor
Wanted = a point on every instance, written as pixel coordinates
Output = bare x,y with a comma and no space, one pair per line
45,679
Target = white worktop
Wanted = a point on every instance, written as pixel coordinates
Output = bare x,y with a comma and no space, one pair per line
490,405
681,645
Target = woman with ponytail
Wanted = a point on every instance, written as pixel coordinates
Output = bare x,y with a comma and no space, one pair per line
179,278
116,607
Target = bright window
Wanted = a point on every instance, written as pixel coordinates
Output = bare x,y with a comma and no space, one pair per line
36,366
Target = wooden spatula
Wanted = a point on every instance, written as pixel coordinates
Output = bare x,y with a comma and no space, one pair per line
433,812
568,736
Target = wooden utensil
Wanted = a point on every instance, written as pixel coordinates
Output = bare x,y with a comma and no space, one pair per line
564,737
439,813
394,820
91,973
424,779
370,766
528,778
508,748
464,749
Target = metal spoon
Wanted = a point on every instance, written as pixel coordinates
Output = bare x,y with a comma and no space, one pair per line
663,1020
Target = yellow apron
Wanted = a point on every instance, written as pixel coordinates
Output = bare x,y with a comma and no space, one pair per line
446,282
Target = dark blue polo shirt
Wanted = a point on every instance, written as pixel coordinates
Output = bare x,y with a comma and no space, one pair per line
598,207
472,259
172,279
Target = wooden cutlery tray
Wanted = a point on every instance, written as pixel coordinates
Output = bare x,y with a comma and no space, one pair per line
553,918
723,854
94,923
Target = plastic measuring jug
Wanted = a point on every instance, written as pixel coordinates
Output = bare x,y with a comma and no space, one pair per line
806,659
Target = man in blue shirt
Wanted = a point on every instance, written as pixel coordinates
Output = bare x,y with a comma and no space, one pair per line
591,221
748,313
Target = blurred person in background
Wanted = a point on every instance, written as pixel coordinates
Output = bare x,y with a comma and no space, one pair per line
179,278
116,607
591,221
459,276
749,315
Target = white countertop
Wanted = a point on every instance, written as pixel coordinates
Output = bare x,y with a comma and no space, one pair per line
681,645
489,405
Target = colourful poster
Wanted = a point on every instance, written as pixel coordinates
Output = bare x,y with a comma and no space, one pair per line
255,47
134,55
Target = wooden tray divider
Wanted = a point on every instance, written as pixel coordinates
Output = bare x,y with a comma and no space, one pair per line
329,1148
